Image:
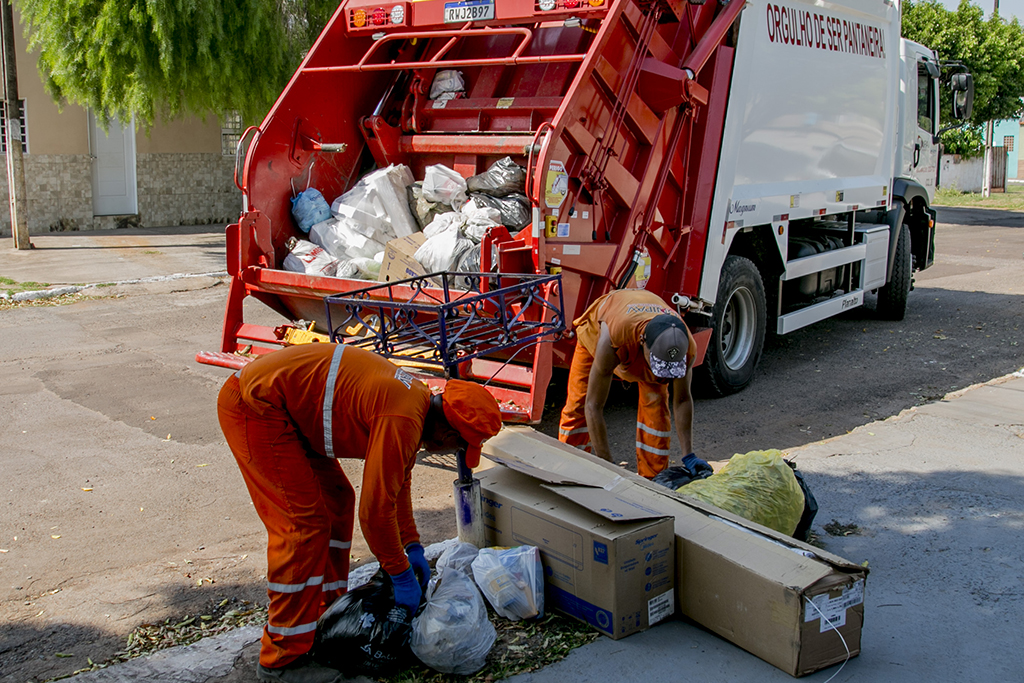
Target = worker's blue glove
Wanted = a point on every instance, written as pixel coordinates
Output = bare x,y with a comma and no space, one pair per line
419,563
407,590
700,469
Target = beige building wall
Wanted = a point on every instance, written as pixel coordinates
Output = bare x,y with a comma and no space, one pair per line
181,176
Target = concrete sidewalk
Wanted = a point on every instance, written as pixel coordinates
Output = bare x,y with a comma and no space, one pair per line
102,256
937,496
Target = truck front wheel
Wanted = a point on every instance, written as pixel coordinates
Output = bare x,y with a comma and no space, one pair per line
738,327
892,298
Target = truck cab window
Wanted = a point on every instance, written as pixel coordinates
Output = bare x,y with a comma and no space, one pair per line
925,99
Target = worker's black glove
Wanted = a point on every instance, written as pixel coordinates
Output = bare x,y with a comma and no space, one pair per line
700,469
419,563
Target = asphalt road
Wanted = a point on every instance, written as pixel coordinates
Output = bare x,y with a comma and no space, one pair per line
123,505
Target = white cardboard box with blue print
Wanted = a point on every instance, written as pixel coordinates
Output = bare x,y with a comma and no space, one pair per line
614,570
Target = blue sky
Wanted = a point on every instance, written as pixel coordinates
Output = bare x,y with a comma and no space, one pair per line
1007,8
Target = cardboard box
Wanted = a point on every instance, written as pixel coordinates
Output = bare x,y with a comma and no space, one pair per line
399,262
759,589
616,576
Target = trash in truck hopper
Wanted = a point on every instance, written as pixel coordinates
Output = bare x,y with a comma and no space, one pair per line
306,257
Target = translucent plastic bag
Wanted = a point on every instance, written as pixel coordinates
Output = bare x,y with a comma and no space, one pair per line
514,209
306,257
442,184
365,268
443,250
447,81
512,580
758,486
364,633
309,208
343,239
504,177
459,556
452,633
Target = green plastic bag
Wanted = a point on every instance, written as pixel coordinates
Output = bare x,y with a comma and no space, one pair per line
758,486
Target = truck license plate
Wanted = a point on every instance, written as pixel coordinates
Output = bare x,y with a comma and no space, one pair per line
468,10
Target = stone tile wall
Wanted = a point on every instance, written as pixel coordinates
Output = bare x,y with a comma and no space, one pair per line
187,189
173,189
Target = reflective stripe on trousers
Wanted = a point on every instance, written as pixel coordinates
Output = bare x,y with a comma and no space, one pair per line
572,426
653,429
308,507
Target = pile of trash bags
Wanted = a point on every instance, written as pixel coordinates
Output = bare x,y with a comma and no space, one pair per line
365,633
452,212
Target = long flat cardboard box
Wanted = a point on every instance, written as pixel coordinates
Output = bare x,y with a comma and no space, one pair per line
793,605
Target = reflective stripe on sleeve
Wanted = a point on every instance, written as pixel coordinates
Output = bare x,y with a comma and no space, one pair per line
294,587
292,630
653,432
335,585
652,449
332,379
341,544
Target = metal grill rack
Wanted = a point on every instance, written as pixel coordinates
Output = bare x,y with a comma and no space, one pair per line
424,321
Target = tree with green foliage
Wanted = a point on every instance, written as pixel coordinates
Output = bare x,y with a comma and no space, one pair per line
991,49
170,58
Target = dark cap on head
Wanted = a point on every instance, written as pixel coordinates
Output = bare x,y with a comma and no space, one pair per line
665,337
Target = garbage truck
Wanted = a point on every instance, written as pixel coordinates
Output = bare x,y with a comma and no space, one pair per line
760,165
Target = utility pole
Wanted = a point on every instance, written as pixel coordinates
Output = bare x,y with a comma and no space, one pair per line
986,181
15,162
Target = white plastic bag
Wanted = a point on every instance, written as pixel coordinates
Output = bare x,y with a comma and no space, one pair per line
382,195
443,223
452,633
458,556
306,257
512,580
475,209
443,250
447,81
442,184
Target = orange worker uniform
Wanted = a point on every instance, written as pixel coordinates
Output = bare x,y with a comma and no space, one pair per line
287,416
626,312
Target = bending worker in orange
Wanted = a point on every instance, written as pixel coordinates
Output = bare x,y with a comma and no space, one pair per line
287,417
634,335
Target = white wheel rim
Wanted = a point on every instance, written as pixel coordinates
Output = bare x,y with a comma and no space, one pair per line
739,325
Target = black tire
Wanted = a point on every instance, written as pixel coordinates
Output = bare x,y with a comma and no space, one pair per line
738,328
892,298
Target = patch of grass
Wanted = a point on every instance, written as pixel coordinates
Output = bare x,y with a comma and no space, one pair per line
1012,199
13,286
151,251
63,300
105,284
837,528
148,638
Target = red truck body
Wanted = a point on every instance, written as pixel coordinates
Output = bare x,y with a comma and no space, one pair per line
616,109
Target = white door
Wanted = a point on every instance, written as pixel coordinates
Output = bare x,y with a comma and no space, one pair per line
113,169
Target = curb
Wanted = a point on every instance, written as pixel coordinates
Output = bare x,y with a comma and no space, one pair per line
75,289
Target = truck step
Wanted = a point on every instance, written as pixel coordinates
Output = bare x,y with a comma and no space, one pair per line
800,267
815,312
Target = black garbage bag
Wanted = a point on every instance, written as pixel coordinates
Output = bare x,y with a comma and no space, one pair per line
803,528
514,208
364,632
504,177
674,477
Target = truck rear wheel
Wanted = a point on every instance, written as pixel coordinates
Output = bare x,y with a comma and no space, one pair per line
738,327
892,298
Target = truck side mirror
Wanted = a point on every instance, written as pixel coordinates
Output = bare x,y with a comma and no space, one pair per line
962,86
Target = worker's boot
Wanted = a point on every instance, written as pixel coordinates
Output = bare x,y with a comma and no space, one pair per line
302,670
